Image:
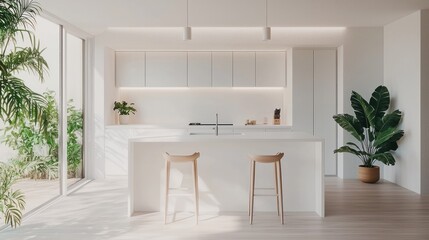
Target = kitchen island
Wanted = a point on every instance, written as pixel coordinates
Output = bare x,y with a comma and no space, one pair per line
224,172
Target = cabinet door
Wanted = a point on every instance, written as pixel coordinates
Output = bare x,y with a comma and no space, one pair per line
270,69
166,69
199,69
222,69
325,82
244,69
302,88
130,69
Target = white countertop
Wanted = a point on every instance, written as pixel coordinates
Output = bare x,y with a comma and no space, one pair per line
149,126
287,136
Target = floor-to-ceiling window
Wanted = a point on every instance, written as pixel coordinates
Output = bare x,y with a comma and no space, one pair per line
38,155
74,94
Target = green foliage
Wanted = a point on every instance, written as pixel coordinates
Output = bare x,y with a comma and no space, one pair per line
376,131
26,138
16,99
74,141
12,202
123,108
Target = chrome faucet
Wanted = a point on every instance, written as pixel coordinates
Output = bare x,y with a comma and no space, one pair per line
217,124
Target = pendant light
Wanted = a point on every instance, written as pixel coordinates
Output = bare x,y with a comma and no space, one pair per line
266,30
187,31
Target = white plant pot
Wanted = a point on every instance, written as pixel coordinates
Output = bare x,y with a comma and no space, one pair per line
124,119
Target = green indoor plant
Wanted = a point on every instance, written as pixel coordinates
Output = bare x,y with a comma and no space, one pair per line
12,202
124,110
26,138
375,130
17,101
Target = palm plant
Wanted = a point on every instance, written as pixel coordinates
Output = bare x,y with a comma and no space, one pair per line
11,201
17,18
376,131
17,101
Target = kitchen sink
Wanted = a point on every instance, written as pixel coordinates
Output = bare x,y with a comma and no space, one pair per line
213,134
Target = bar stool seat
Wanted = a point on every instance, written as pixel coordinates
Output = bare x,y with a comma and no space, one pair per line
276,160
181,159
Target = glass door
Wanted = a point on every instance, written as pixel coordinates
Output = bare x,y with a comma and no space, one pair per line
74,51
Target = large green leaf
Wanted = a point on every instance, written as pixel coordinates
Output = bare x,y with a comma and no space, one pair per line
347,149
388,146
389,135
350,124
354,145
380,101
358,109
390,120
364,111
386,158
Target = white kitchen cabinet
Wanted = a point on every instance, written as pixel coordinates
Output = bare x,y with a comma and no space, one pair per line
270,69
325,84
244,69
130,69
199,69
222,69
166,69
314,74
302,88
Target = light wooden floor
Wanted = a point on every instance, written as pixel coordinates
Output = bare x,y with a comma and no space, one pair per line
354,211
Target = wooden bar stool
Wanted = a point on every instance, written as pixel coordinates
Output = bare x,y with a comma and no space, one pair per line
181,159
276,159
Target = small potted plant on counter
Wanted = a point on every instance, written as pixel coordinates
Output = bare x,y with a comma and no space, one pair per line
377,133
124,110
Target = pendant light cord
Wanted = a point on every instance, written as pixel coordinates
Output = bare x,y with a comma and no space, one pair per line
266,13
187,13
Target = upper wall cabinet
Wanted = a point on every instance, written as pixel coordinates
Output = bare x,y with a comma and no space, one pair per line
222,69
130,69
166,69
199,69
270,69
244,69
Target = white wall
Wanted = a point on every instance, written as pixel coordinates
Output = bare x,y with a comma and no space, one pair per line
178,107
362,71
406,59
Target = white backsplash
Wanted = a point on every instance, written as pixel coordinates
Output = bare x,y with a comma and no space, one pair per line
180,106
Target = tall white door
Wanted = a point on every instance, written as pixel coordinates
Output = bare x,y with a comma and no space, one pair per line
325,99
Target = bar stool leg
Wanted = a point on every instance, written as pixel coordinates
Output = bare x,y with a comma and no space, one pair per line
252,192
250,187
277,188
196,195
280,197
167,186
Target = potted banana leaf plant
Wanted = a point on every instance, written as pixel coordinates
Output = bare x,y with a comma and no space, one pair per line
375,130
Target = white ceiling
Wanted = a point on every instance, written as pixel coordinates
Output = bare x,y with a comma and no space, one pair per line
95,16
